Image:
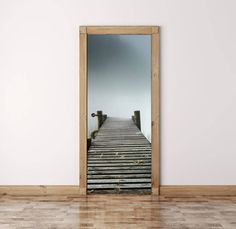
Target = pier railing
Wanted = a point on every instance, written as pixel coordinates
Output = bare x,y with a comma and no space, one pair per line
101,119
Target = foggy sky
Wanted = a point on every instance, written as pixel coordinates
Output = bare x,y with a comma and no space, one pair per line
119,77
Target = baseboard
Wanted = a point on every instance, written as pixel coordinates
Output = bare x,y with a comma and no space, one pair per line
197,190
165,190
39,190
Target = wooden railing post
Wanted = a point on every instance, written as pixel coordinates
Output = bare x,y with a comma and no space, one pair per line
136,119
89,140
100,118
133,118
104,117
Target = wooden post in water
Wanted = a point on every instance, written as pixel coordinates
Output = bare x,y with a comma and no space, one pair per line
137,119
100,118
104,117
133,118
88,143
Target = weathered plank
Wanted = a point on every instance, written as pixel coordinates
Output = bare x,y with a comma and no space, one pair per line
119,176
119,181
119,158
125,171
119,186
121,149
114,158
121,167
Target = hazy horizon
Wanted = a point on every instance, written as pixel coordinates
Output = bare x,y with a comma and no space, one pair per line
119,77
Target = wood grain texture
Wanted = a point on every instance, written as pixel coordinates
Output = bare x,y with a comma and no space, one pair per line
155,115
165,190
106,159
122,30
37,190
197,190
135,30
83,110
118,212
83,29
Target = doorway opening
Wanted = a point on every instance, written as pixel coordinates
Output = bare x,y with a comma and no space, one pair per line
119,110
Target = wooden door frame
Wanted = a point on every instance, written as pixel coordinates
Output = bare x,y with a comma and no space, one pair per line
155,98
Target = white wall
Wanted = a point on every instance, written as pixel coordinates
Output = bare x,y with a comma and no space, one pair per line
119,78
38,86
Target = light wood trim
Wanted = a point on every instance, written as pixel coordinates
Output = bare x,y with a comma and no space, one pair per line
83,29
134,30
155,191
165,190
197,190
155,115
39,190
83,110
122,30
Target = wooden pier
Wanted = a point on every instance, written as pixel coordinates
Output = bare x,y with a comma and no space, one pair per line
119,159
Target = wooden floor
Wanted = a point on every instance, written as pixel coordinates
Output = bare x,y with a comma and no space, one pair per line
117,211
119,159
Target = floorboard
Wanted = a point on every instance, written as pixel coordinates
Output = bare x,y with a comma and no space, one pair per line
117,211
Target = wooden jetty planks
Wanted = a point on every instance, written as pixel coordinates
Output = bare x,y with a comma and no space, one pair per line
119,158
120,186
